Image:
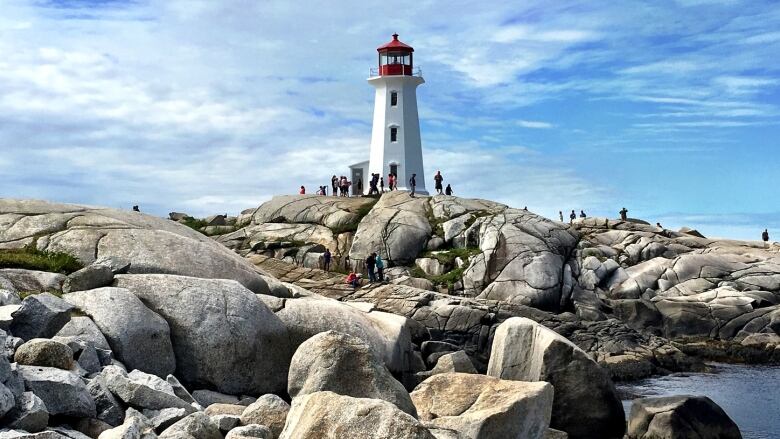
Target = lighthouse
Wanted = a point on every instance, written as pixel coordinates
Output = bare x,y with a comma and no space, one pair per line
396,147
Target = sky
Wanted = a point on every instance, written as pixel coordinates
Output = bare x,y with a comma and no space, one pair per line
669,108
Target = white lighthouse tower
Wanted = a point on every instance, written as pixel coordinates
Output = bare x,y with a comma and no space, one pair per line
395,138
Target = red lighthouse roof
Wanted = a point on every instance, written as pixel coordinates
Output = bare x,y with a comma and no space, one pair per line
395,45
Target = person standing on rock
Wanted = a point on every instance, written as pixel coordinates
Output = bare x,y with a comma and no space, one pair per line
438,179
413,184
390,181
370,267
624,214
334,183
136,209
765,237
448,190
302,191
572,217
380,268
326,257
381,185
560,214
360,186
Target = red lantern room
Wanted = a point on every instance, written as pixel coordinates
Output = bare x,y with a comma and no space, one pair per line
395,58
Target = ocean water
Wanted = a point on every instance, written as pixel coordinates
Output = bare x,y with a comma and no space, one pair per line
749,394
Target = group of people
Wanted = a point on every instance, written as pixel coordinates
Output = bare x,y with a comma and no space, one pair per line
439,181
340,185
572,215
375,269
377,183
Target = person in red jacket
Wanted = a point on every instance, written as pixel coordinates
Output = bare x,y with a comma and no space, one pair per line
302,191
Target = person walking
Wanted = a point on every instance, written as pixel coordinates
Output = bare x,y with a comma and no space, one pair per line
765,238
572,217
624,214
560,214
582,214
370,267
380,268
302,191
448,190
413,184
381,185
438,179
326,257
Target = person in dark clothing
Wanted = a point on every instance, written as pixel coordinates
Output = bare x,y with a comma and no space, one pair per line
370,267
326,260
765,237
380,268
136,209
413,184
381,185
448,190
334,182
360,186
391,181
438,179
582,214
560,214
659,225
572,217
624,214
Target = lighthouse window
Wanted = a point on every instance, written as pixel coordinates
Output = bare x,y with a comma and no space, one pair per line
393,134
393,98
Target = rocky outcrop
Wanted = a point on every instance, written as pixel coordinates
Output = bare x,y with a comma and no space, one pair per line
151,244
586,403
480,407
341,363
270,411
223,335
680,417
328,415
62,392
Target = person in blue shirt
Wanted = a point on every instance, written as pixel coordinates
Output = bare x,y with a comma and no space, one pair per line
380,268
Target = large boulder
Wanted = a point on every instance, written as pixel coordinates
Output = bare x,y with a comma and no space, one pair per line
223,335
251,431
387,334
44,352
679,417
84,330
139,337
586,404
331,212
341,363
142,390
40,316
481,407
150,244
62,392
328,415
194,426
397,228
521,260
29,414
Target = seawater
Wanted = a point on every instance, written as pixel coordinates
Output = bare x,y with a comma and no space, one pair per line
750,395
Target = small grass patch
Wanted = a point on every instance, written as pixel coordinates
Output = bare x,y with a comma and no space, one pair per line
30,258
23,294
194,223
447,257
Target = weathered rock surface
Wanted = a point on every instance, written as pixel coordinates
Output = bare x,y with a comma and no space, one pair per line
328,415
142,390
40,316
194,426
62,392
270,411
44,352
84,330
150,244
344,364
586,404
251,431
481,407
29,414
331,212
223,335
680,417
139,337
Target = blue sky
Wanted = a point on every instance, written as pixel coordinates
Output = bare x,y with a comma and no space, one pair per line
669,108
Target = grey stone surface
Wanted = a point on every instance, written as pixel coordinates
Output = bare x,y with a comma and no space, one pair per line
270,411
90,277
481,407
40,316
32,280
250,431
194,426
139,337
108,407
62,392
680,417
207,397
328,415
82,329
341,363
142,390
586,403
221,324
29,414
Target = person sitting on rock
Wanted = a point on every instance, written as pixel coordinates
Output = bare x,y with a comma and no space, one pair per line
136,209
448,190
659,225
624,214
582,214
380,268
370,267
353,279
765,237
